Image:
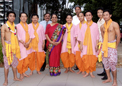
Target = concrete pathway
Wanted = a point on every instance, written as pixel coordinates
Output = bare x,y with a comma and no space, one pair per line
69,79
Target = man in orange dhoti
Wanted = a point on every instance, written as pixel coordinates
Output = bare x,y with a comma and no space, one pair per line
38,55
88,44
24,37
78,30
67,52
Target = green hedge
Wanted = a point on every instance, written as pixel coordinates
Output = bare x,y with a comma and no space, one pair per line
1,54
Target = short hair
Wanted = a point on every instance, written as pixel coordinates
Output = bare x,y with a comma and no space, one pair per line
9,12
89,11
100,8
77,6
54,14
107,10
69,15
82,13
23,13
34,14
46,14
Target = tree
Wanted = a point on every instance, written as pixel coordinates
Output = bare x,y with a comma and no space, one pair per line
51,6
114,5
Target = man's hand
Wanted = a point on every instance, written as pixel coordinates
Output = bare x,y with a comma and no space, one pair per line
43,46
81,48
26,45
21,41
96,48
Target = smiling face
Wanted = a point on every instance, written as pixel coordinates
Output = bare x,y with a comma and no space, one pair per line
35,19
11,17
77,10
106,16
54,18
88,16
23,17
69,19
100,13
81,17
47,17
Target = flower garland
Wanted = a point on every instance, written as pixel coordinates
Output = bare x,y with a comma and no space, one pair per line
11,30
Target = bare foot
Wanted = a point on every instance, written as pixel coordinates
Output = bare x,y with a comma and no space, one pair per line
72,71
66,71
31,73
91,74
17,79
78,72
107,81
114,83
5,83
86,75
83,73
25,75
21,76
39,72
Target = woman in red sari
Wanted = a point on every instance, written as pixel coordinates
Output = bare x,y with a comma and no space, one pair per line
54,34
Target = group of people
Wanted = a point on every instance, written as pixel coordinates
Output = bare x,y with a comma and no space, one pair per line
79,42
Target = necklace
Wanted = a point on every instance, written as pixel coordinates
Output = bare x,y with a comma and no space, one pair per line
11,30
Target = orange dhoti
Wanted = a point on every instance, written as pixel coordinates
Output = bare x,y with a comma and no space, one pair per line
79,61
68,59
36,60
89,63
23,65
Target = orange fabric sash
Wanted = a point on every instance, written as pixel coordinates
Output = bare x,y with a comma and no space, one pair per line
80,25
87,40
14,46
105,42
27,34
69,37
36,39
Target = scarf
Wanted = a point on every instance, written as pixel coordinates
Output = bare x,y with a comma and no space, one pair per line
69,37
26,32
15,49
87,40
36,39
80,25
105,42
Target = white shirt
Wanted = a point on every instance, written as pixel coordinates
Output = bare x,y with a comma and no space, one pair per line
99,23
43,23
75,20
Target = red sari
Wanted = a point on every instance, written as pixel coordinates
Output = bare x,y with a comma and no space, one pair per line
54,56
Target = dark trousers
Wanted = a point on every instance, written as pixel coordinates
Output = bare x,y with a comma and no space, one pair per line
44,65
103,68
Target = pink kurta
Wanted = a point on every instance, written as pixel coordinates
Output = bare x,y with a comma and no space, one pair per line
94,36
21,34
41,34
77,31
64,46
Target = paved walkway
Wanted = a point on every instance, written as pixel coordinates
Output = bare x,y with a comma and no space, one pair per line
69,79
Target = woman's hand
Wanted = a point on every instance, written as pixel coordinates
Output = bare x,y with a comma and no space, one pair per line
55,43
